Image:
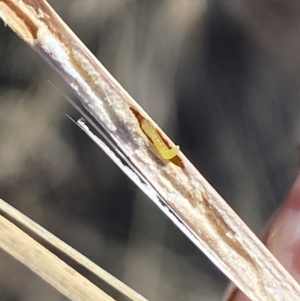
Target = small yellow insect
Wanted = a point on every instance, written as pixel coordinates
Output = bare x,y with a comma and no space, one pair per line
160,145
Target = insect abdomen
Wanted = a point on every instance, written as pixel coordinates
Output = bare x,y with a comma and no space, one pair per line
160,145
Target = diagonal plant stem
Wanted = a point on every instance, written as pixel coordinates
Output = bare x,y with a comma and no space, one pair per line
48,266
23,221
175,185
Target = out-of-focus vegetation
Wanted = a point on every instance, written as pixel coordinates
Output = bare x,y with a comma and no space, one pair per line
217,76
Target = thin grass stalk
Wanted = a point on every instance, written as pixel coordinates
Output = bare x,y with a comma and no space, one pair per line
175,185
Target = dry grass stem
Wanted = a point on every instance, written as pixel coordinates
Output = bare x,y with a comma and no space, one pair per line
49,238
188,199
44,263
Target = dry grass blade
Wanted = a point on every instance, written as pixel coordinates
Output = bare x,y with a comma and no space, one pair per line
48,266
49,238
186,195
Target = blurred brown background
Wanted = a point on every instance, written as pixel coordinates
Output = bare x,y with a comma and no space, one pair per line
222,79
